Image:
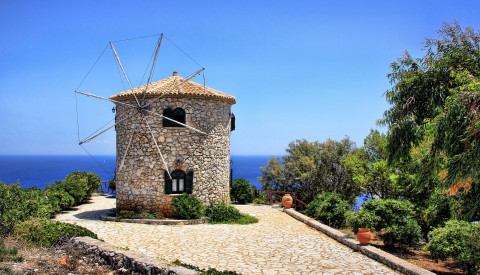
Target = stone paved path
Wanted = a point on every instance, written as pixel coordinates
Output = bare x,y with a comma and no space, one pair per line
277,244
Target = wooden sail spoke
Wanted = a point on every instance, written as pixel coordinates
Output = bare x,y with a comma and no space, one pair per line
96,135
156,145
107,99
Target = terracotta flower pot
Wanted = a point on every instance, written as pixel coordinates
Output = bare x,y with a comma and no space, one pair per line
287,201
364,236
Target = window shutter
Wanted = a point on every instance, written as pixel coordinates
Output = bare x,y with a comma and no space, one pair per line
232,122
168,184
189,182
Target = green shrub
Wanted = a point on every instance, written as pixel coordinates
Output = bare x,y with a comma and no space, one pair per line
73,188
241,191
187,206
405,233
17,205
46,232
395,216
459,240
112,185
362,219
259,200
328,208
60,198
89,181
223,213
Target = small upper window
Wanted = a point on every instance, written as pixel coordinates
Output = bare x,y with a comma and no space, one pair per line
177,115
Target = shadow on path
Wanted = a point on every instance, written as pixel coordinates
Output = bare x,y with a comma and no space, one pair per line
93,215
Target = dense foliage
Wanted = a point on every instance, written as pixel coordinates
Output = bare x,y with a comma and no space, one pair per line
223,213
435,120
310,168
424,173
18,205
395,217
459,240
89,181
187,207
45,232
328,208
368,168
241,191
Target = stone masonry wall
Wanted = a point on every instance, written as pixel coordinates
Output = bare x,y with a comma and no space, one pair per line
140,182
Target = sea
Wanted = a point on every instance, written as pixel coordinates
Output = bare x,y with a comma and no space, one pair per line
42,170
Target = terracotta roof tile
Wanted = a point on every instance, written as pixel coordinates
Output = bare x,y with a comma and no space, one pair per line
187,89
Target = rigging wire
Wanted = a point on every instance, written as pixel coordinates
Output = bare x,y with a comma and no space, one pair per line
78,87
99,129
91,68
146,68
191,58
134,38
99,164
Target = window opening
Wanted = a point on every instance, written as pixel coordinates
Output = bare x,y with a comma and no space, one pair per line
178,115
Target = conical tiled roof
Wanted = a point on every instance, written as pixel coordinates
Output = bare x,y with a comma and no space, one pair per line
187,89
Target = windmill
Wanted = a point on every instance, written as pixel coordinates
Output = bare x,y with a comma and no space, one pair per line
173,136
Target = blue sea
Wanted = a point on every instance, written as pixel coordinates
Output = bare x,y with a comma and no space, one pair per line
39,171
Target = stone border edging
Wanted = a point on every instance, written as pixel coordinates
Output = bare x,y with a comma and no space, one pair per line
377,254
148,221
126,260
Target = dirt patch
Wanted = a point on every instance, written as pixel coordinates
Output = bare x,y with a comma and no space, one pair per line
48,260
414,256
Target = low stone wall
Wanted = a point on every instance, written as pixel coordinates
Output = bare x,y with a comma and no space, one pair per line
150,221
377,254
123,260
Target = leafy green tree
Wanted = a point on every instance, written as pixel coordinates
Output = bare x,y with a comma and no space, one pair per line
368,167
242,191
434,102
310,168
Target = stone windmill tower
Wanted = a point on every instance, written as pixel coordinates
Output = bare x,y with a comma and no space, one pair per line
174,138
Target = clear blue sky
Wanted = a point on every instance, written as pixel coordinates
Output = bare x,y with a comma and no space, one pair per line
299,69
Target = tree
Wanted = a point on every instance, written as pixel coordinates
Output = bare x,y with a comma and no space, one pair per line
311,168
368,168
436,102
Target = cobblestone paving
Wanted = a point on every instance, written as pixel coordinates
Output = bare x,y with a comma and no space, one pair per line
277,244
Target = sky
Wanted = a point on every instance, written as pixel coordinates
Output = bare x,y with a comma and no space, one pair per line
298,69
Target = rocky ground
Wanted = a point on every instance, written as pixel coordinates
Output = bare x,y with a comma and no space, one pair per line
58,259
